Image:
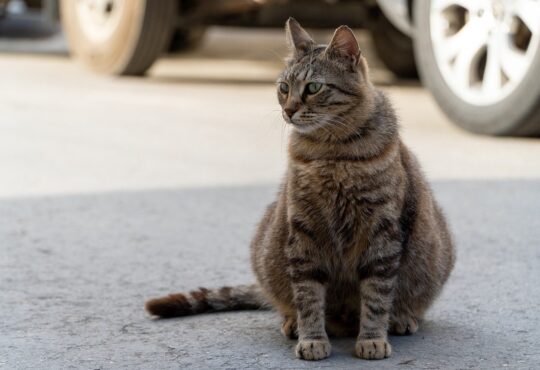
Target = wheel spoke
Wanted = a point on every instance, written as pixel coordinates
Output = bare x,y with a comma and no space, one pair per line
513,61
472,36
470,44
492,79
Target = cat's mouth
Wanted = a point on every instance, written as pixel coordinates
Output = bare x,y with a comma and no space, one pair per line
301,125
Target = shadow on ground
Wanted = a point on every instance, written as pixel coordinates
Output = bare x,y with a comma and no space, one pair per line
76,271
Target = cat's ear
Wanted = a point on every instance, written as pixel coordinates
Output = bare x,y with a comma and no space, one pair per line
344,46
299,41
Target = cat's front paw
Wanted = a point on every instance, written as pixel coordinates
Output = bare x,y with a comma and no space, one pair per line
373,349
308,349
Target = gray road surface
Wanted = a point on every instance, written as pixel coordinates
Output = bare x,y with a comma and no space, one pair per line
116,190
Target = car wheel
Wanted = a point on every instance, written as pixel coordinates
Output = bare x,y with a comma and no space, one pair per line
481,61
394,48
120,37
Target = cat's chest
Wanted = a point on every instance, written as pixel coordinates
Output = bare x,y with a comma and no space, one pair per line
334,184
336,193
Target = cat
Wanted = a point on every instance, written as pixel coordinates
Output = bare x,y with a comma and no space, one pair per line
355,243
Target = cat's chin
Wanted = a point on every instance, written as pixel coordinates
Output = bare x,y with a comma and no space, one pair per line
304,127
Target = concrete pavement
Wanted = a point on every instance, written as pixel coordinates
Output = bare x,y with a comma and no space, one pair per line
117,190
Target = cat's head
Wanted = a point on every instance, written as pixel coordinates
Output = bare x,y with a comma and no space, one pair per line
324,88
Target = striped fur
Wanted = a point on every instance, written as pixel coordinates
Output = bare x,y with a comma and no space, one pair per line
243,297
355,244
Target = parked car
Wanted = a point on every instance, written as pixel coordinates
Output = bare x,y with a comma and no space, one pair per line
480,59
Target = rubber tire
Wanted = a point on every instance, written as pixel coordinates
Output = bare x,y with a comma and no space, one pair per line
516,115
143,34
394,48
183,40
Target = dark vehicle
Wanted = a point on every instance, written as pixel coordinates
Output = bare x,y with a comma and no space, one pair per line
480,58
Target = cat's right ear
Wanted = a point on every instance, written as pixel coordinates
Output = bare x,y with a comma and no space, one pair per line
298,39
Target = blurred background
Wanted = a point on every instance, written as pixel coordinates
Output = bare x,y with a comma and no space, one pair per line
204,88
141,139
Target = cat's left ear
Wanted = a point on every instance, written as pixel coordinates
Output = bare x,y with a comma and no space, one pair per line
299,41
344,46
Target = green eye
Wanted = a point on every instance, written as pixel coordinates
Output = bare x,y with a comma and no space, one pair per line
313,87
283,88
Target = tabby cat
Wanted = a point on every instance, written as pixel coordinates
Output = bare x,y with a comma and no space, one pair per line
355,244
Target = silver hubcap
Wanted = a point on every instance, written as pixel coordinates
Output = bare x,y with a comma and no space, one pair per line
99,19
484,48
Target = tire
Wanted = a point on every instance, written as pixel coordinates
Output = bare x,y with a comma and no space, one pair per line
394,48
516,112
124,39
183,40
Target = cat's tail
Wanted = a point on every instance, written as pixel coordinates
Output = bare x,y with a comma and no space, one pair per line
241,297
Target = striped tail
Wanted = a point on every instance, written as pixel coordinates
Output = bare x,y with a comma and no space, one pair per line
241,297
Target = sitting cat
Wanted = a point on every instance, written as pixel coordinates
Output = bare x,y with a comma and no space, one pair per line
355,243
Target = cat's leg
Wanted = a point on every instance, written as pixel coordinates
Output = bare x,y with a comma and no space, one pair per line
372,340
377,286
403,320
308,280
415,291
313,343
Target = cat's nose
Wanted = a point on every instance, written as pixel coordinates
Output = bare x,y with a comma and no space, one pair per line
290,111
